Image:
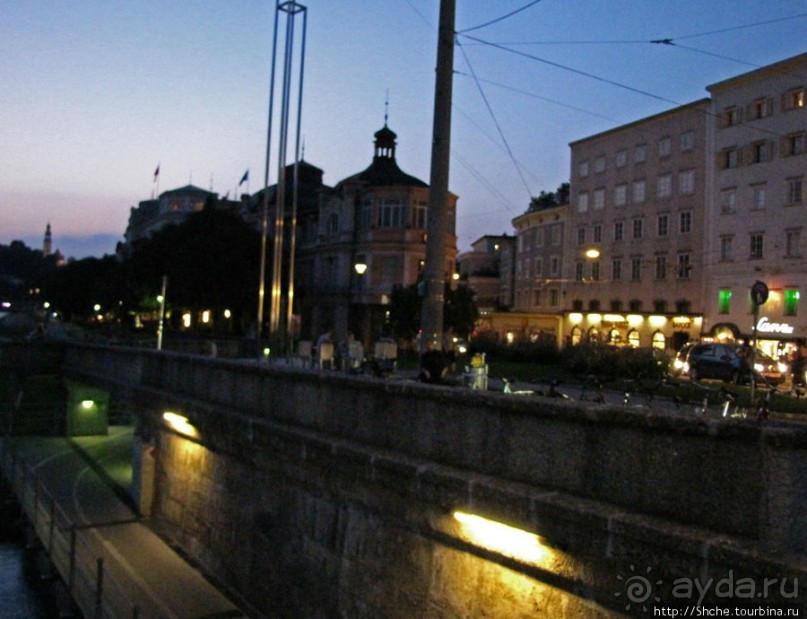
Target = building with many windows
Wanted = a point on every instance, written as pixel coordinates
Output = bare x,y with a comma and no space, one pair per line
481,270
633,235
757,218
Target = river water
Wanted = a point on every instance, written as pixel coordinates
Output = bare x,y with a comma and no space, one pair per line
23,595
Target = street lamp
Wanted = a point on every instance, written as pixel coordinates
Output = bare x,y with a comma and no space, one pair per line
360,268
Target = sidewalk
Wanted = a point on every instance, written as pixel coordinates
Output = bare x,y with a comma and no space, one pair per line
74,492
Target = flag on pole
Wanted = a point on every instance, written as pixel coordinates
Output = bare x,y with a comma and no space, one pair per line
244,178
156,172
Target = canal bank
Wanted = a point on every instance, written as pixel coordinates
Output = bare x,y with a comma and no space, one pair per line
107,556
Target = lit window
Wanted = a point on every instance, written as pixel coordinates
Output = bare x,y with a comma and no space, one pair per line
634,339
659,341
795,99
724,301
791,302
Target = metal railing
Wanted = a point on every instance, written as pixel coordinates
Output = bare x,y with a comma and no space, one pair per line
74,551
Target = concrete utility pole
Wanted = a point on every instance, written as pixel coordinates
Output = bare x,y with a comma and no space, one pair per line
434,271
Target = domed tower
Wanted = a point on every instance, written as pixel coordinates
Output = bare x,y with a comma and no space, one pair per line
371,238
385,143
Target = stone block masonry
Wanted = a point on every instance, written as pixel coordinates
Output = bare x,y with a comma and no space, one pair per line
320,494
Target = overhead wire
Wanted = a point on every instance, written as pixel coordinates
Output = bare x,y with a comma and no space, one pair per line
741,27
496,122
611,82
483,181
540,97
502,18
491,138
573,70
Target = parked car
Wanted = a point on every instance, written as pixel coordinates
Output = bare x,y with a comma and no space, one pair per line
679,366
731,363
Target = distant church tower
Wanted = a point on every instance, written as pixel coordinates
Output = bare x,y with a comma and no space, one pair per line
47,243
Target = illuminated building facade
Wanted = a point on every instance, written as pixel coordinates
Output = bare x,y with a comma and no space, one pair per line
757,222
632,271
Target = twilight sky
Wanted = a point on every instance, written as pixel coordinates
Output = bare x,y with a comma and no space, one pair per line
95,93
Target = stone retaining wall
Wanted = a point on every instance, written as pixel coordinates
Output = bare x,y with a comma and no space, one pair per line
332,495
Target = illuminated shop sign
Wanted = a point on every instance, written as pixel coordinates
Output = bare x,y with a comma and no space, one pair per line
763,326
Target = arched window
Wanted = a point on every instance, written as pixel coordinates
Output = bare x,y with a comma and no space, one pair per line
659,341
633,338
576,336
614,337
593,334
